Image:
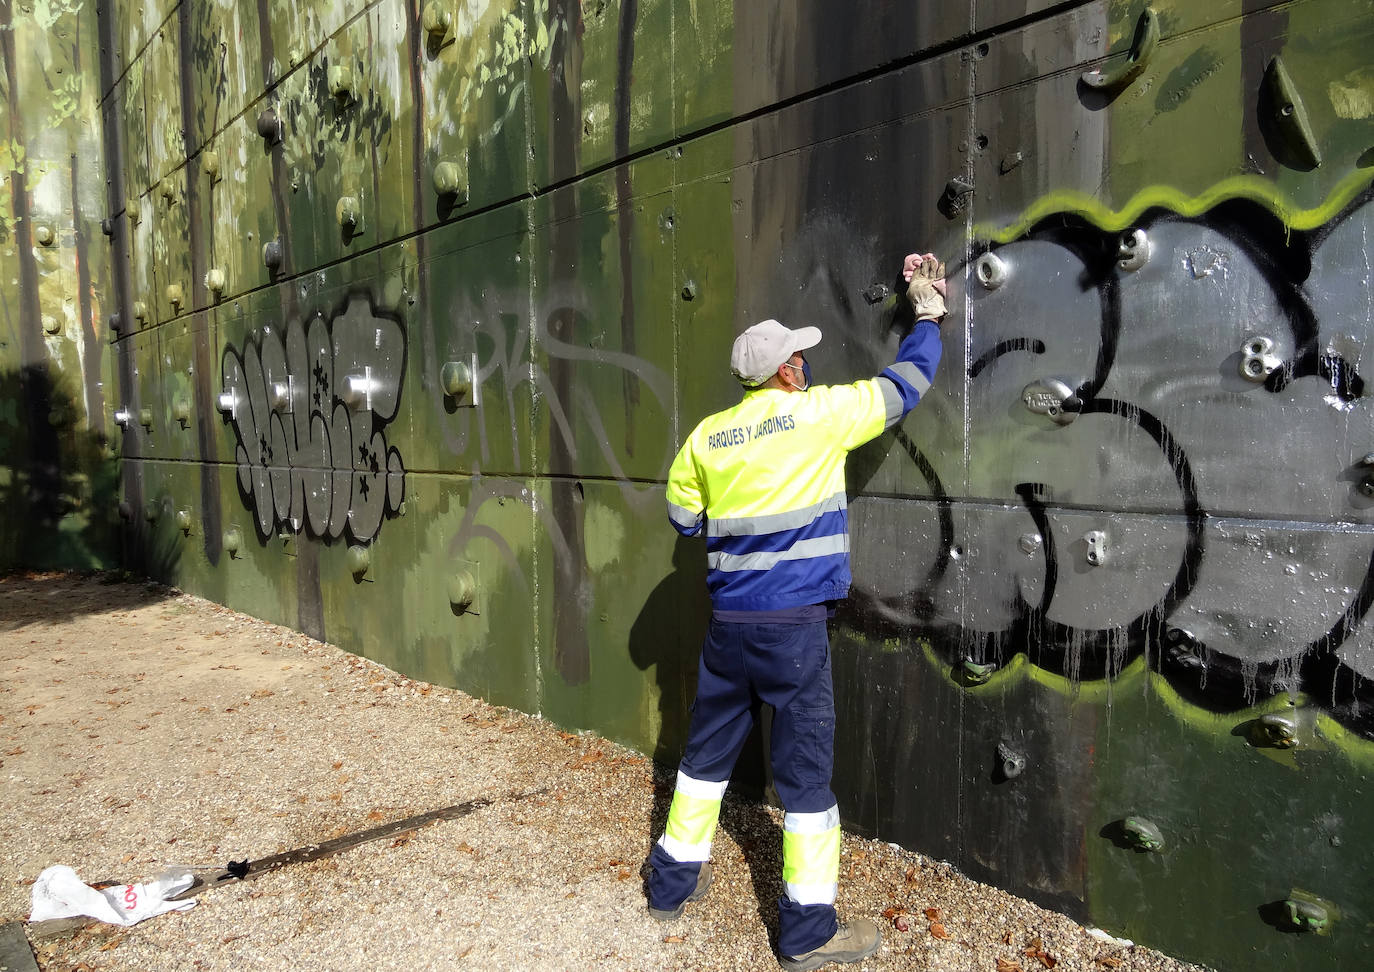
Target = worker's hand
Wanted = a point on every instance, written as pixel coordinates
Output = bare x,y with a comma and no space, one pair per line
925,276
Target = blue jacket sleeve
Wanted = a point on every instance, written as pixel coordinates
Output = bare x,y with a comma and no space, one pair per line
909,377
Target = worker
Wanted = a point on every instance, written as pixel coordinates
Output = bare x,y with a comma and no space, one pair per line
765,481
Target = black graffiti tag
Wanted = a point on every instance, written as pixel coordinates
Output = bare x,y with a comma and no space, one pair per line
309,404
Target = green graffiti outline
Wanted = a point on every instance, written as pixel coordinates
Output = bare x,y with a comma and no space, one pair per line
1358,750
1252,187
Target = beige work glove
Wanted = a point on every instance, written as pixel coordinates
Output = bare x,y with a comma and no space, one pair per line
926,286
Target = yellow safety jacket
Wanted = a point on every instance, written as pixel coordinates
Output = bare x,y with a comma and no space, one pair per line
766,479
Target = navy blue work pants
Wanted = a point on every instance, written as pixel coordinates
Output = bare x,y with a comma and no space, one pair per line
786,666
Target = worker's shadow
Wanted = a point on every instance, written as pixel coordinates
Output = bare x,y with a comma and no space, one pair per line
667,636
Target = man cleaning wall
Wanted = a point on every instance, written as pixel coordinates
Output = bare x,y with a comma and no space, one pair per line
765,479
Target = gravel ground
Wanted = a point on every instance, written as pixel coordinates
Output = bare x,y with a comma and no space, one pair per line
141,728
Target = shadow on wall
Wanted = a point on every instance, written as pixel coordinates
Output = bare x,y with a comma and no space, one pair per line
667,636
59,481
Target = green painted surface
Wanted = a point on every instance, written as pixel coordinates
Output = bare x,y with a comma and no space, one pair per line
632,184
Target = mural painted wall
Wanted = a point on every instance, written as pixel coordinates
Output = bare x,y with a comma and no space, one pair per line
406,307
58,474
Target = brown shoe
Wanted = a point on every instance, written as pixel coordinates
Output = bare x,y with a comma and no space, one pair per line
703,885
855,940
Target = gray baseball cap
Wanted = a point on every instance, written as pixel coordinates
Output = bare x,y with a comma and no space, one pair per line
761,348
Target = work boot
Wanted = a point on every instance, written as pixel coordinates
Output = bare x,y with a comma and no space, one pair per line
854,940
703,885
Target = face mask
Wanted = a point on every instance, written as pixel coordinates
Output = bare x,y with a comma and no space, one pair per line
805,369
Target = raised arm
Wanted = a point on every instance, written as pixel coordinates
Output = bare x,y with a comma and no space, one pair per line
909,377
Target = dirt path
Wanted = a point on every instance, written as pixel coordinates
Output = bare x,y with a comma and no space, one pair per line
141,728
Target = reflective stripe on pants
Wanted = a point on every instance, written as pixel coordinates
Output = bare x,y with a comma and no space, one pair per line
811,856
692,819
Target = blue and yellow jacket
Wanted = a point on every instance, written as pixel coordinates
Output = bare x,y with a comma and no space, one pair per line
766,481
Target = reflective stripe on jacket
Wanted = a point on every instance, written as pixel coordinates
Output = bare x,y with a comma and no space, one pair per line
766,479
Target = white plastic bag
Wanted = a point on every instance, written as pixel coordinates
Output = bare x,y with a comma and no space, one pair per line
59,893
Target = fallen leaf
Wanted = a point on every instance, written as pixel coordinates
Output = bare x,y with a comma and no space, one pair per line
911,874
675,939
1110,961
1047,960
894,911
937,930
1007,965
402,840
623,874
1035,945
933,914
338,765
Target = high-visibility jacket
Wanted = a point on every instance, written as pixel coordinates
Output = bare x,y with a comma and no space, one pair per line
766,481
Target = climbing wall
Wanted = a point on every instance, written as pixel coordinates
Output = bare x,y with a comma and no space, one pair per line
402,310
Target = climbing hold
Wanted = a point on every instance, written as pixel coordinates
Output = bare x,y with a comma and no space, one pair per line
1274,730
437,23
1134,250
991,270
1142,49
1052,397
1142,834
1256,360
341,83
1289,116
1012,763
1097,547
955,196
269,126
462,590
449,182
